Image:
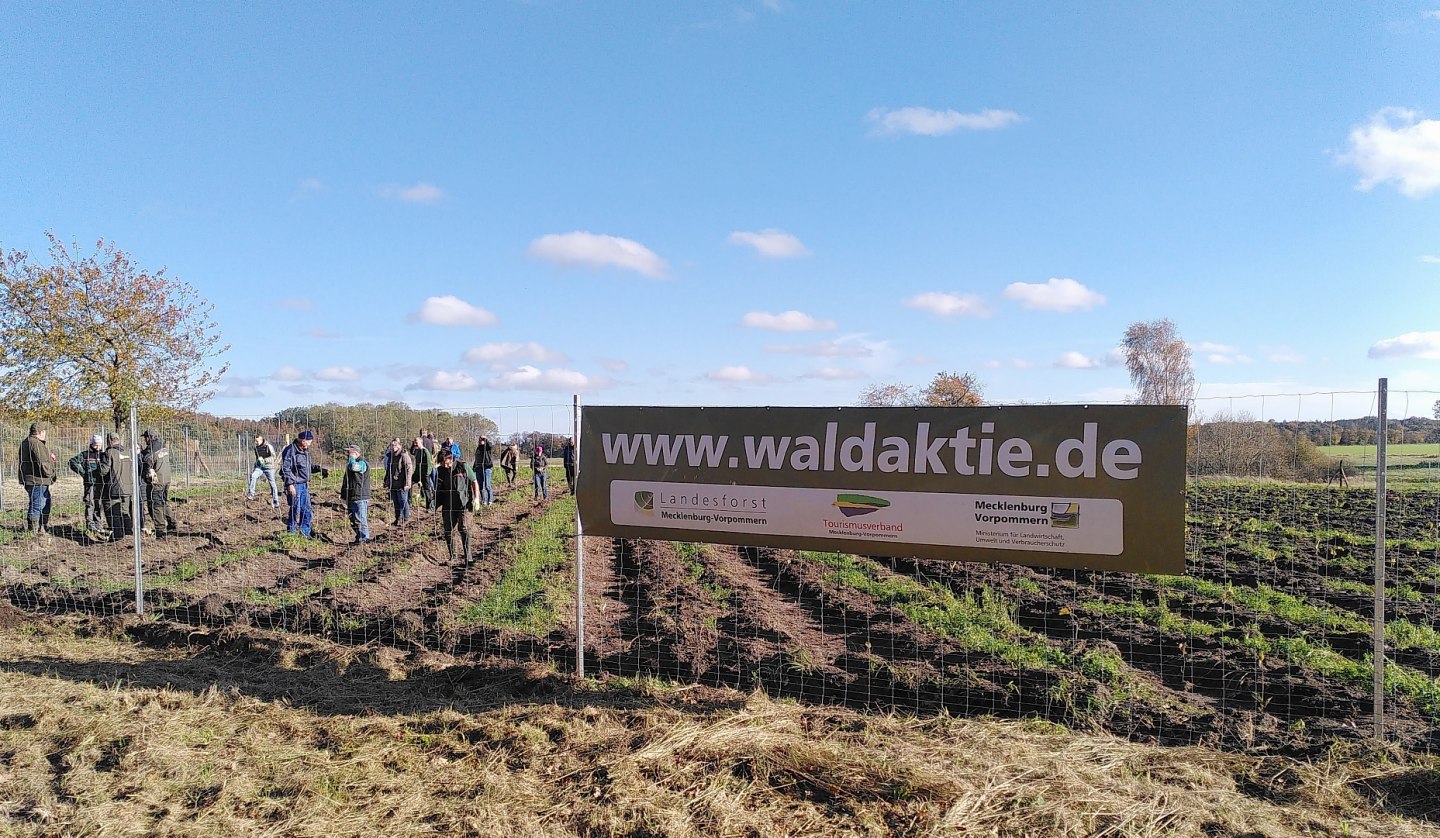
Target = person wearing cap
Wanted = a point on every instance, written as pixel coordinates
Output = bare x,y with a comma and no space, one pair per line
485,467
399,475
87,465
296,470
538,464
455,487
155,465
264,466
117,475
37,474
355,492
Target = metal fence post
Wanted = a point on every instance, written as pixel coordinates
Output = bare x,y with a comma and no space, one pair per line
1381,439
135,511
187,458
579,551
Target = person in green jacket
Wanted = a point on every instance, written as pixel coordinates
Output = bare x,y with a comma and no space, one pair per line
37,475
424,472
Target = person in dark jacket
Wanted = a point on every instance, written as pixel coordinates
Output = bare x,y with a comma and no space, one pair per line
87,465
296,471
155,465
567,455
355,491
37,475
485,468
455,487
117,475
538,464
399,476
424,472
510,463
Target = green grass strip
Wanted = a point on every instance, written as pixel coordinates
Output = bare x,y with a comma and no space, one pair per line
532,589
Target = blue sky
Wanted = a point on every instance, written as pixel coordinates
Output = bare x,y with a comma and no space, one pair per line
755,202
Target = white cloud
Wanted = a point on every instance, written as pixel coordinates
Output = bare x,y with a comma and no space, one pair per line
241,388
337,374
842,348
288,373
1114,358
593,250
1433,14
834,374
1076,361
1399,148
528,377
1409,345
933,123
737,374
445,380
308,186
450,310
771,243
1219,353
1057,294
1013,363
419,193
949,305
786,321
494,354
1282,355
613,364
300,389
1430,260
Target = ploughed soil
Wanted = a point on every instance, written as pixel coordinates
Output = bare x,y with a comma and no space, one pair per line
1137,655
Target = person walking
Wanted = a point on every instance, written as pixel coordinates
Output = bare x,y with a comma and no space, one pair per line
87,465
264,466
485,467
37,474
399,474
296,470
455,487
510,463
427,441
117,476
454,448
567,456
424,467
355,492
538,464
156,465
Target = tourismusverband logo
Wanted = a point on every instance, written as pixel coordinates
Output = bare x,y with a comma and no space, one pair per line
851,505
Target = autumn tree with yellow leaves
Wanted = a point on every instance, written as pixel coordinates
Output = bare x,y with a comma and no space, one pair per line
98,332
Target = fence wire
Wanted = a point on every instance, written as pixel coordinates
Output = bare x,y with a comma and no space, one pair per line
1265,643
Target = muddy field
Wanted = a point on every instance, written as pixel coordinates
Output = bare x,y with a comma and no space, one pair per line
1263,646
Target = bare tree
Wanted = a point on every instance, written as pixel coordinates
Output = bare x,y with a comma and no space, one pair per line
887,395
1159,363
950,389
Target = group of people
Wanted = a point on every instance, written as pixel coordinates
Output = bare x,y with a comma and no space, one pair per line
445,481
108,469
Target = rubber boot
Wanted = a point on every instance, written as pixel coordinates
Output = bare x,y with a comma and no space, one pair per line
32,524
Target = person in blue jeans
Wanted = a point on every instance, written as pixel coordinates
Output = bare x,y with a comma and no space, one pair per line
355,491
295,470
538,464
37,475
485,465
264,467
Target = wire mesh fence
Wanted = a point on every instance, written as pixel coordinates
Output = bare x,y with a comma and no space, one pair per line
1265,643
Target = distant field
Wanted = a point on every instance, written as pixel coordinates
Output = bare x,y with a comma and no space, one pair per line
1409,449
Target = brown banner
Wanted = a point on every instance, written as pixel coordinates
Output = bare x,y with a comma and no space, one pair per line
1097,487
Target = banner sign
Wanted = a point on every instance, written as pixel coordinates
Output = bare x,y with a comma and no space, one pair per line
1097,487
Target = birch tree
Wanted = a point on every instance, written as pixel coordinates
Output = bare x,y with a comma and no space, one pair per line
1159,363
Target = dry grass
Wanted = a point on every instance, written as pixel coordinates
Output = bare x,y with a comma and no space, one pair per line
111,728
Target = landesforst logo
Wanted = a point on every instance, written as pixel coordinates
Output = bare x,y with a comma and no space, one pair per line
645,501
1065,514
851,505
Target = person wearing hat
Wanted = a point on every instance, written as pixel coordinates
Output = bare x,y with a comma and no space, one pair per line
37,475
264,466
155,463
455,488
355,492
295,471
87,465
117,476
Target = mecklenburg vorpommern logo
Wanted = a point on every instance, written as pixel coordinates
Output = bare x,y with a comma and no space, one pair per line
645,501
852,505
1065,515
